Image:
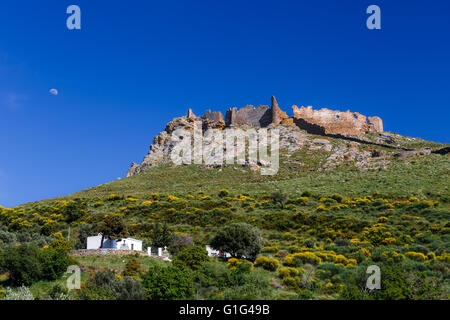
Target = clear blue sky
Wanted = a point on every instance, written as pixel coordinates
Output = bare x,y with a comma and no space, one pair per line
135,65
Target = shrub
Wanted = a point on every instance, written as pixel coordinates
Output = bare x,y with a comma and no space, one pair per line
21,293
337,197
392,257
192,257
104,285
282,253
223,193
22,263
61,245
239,240
48,228
291,282
279,197
284,272
342,242
113,197
53,263
74,210
240,265
396,284
307,194
58,292
266,263
417,256
132,267
167,283
300,258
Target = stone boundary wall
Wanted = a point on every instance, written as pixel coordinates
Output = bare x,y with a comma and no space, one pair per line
85,252
116,252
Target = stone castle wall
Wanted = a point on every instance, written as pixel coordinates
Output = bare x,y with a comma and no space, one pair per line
332,122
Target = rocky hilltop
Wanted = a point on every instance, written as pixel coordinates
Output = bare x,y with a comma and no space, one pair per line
344,136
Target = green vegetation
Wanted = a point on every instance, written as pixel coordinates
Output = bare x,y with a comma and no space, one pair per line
239,240
306,234
192,257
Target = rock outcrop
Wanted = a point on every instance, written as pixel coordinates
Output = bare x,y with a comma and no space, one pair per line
293,130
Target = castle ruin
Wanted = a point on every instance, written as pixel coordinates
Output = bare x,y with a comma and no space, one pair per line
323,121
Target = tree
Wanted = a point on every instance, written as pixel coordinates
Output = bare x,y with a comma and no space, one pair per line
161,235
53,263
239,240
22,263
112,227
74,210
26,263
192,257
167,283
84,232
178,243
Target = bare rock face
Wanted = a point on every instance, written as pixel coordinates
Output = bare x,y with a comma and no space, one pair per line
409,153
326,121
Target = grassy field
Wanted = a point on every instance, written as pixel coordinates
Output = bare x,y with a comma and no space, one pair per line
423,176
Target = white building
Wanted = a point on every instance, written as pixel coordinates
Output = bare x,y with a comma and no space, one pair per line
94,242
216,253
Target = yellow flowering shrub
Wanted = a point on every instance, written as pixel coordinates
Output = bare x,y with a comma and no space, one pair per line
267,263
366,252
417,256
98,204
242,264
131,199
351,262
242,197
284,272
291,282
223,193
389,240
300,258
173,198
445,257
431,256
113,197
382,219
392,256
